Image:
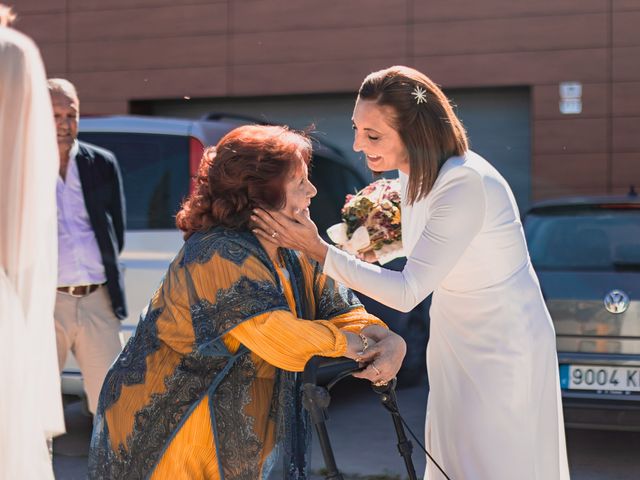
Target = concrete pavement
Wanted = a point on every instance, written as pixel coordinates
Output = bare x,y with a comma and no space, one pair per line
362,433
360,429
364,442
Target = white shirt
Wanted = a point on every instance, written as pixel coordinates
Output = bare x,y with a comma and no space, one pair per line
79,258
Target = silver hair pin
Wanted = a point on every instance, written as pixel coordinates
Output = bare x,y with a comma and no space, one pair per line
420,94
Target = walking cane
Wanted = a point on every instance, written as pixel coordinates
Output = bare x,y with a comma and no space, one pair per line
316,398
388,398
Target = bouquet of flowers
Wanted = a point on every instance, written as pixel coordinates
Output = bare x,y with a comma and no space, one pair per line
371,222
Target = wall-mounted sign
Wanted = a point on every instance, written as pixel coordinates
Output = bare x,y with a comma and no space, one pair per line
570,98
571,106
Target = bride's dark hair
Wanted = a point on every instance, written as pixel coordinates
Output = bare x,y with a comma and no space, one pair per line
424,119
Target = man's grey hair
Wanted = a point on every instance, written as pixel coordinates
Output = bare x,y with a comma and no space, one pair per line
62,86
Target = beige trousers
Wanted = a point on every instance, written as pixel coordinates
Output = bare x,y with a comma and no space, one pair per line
88,327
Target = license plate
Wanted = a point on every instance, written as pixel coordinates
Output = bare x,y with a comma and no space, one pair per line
594,377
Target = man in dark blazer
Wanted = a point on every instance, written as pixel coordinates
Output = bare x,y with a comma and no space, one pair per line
90,301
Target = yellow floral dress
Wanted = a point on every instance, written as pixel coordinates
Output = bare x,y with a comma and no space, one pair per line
206,388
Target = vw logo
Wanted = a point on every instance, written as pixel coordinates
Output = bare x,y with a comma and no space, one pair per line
616,301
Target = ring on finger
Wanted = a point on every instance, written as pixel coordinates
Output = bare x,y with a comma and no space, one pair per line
380,383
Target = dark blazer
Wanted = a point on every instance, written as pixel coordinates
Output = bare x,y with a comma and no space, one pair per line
104,199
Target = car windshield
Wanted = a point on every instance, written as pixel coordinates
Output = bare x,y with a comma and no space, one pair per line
585,238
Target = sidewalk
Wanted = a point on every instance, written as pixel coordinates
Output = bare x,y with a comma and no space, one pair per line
364,441
360,428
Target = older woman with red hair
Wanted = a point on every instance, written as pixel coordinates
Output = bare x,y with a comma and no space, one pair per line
206,388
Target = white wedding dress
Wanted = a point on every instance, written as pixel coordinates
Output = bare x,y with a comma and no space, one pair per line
494,410
30,400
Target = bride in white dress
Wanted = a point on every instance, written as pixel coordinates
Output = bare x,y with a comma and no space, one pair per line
30,402
494,410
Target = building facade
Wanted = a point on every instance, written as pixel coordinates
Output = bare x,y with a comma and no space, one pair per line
504,63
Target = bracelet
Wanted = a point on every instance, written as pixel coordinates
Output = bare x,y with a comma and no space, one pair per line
365,343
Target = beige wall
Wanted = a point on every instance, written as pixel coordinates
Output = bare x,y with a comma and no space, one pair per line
122,50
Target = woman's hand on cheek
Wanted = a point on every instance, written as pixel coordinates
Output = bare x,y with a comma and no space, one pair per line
298,234
268,228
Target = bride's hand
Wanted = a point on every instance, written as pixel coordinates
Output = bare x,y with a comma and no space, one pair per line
299,233
368,256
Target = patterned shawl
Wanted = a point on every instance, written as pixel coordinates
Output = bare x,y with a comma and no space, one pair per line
246,285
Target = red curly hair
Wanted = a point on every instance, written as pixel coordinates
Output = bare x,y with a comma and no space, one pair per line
247,169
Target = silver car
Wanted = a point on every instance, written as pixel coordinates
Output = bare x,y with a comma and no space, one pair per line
586,252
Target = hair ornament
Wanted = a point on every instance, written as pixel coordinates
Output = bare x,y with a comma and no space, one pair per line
420,94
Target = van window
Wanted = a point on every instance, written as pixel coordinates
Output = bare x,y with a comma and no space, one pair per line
334,182
155,173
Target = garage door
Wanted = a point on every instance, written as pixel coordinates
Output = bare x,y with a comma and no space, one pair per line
499,129
497,121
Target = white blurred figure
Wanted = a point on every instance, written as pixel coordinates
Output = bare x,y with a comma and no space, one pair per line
30,402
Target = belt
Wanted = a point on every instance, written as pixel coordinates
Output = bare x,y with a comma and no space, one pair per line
80,290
